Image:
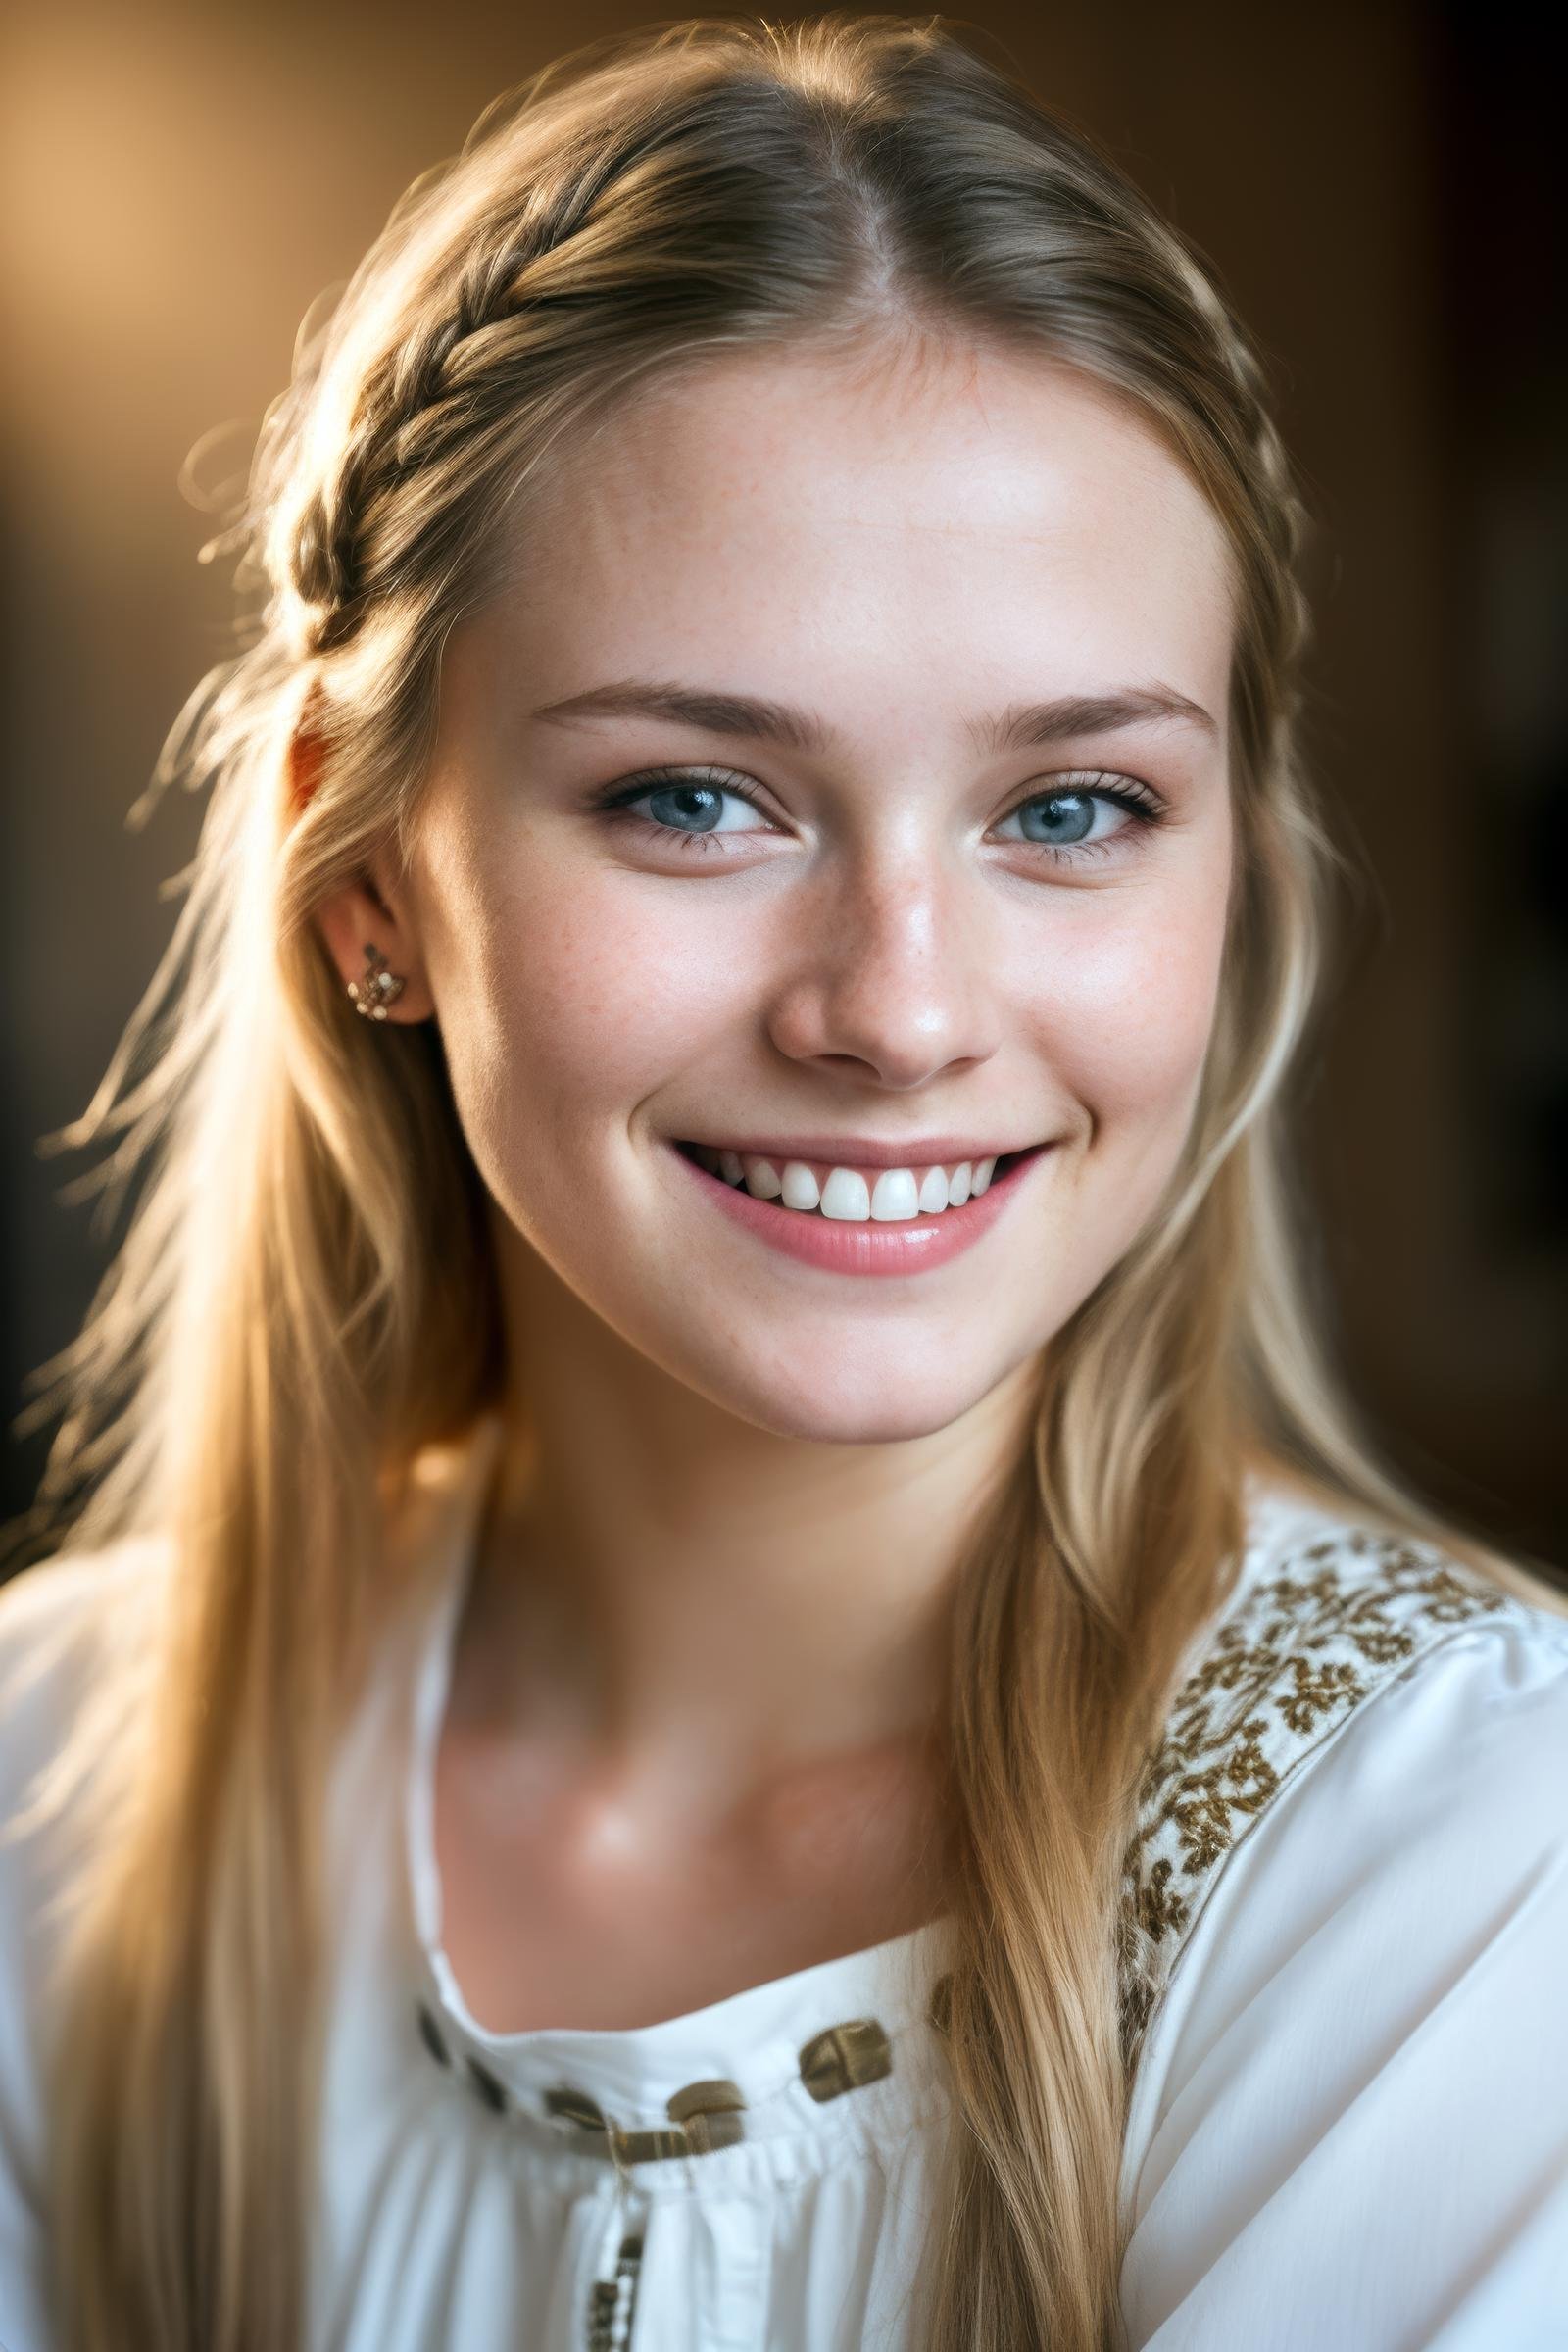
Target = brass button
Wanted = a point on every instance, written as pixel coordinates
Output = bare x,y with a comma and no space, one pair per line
702,2116
576,2107
430,2035
492,2091
845,2057
711,2113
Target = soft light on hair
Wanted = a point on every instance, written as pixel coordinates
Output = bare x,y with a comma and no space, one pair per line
305,1299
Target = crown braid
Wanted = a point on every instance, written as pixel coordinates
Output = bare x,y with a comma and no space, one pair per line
1280,512
458,376
417,401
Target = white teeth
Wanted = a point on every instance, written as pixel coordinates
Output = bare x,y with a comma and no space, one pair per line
895,1196
846,1195
933,1192
800,1186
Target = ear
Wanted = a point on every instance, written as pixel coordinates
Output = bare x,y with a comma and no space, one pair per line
363,922
361,928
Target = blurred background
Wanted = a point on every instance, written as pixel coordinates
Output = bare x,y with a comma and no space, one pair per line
1379,187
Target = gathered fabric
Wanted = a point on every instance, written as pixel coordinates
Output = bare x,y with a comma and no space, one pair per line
1344,1913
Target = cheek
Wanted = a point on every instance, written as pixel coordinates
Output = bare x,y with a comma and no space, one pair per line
1125,1005
583,997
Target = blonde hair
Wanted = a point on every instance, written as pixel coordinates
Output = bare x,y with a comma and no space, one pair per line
279,1337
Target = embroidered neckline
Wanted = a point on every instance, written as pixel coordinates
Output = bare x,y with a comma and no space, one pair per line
1299,1645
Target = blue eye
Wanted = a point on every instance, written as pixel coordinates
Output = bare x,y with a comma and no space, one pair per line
686,807
690,807
685,804
1061,823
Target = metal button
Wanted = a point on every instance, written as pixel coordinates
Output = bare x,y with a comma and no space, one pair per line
627,2147
603,2297
610,2323
430,2035
575,2108
845,2057
712,2114
492,2091
704,2116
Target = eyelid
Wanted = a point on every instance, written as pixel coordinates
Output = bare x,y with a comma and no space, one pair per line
1144,808
655,779
1111,781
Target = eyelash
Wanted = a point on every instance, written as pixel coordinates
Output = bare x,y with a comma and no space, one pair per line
1139,802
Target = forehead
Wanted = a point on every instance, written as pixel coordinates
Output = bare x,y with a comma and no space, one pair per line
975,514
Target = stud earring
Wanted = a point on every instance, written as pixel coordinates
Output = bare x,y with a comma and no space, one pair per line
376,987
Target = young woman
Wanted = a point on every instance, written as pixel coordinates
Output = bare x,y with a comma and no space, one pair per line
733,1677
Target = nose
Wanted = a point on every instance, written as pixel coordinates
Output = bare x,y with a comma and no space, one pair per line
887,972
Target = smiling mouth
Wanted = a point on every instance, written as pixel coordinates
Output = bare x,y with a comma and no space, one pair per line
919,1194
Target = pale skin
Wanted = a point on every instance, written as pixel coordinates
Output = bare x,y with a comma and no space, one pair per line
693,1737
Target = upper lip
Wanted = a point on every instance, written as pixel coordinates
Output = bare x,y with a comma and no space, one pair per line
865,1151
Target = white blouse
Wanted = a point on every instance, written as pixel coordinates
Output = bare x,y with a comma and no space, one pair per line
1344,1965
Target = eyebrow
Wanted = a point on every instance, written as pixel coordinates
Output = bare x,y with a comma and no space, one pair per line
1022,726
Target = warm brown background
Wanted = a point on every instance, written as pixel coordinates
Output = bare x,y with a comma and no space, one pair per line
1378,187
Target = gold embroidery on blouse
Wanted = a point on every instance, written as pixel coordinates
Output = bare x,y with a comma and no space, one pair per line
1293,1657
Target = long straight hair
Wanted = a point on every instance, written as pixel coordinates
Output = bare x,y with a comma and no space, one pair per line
304,1298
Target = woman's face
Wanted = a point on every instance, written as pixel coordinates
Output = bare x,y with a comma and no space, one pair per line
903,641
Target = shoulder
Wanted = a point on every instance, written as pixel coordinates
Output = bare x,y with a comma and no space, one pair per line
75,1636
51,1607
1350,1653
57,1619
1349,1901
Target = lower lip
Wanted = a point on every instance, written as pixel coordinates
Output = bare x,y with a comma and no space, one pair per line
848,1245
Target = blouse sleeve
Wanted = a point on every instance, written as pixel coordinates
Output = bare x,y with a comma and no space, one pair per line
47,1615
23,1736
21,2242
1349,2123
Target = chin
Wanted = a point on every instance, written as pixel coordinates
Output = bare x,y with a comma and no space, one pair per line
863,1398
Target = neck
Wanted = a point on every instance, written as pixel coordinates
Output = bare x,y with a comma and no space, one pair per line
696,1602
